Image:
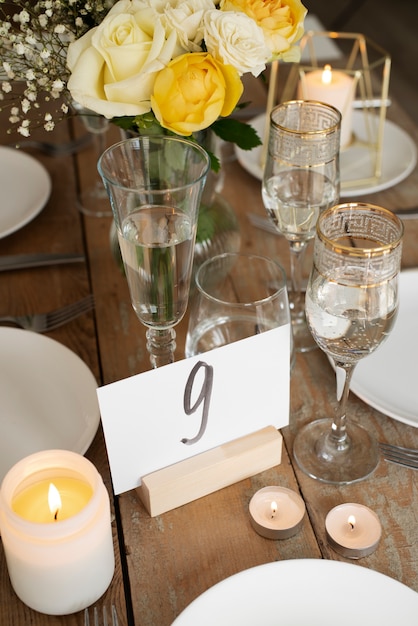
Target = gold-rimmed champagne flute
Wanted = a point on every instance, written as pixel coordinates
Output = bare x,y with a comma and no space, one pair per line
155,185
301,179
351,306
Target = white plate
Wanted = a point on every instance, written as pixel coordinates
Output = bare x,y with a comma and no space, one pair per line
25,188
388,379
48,397
302,592
399,157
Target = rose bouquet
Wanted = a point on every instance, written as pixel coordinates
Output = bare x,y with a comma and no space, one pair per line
147,65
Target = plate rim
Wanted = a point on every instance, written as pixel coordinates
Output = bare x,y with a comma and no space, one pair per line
306,565
347,191
44,179
358,389
67,356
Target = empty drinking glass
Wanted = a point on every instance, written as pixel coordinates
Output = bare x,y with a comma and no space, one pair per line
238,295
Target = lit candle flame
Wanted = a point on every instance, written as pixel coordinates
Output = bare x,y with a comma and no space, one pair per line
54,500
327,75
351,521
273,507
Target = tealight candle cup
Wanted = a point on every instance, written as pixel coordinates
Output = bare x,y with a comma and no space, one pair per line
57,566
353,530
276,512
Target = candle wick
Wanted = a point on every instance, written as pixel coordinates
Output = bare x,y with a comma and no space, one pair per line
56,515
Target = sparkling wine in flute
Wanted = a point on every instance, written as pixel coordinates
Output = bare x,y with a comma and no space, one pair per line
155,185
294,199
349,322
156,245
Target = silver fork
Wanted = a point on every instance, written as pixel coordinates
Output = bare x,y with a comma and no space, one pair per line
96,622
44,322
407,457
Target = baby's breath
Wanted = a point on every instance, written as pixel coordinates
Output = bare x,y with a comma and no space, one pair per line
33,49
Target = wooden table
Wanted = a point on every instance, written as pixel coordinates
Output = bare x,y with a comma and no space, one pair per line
163,563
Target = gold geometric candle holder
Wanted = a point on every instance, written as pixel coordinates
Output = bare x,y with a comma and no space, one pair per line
356,61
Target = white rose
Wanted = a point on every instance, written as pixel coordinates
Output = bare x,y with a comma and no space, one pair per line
235,39
185,17
113,66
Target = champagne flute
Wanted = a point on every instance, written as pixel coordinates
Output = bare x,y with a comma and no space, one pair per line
155,185
301,179
351,306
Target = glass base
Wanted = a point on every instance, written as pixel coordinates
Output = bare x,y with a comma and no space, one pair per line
322,458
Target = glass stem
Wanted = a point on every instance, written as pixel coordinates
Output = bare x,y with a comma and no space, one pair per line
161,344
338,436
297,255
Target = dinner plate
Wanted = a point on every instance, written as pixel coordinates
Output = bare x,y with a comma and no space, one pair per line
25,188
48,397
399,157
302,592
387,379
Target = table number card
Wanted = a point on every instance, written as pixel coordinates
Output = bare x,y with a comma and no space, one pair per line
161,417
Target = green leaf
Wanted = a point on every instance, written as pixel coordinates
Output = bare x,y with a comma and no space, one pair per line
126,122
214,161
142,124
237,132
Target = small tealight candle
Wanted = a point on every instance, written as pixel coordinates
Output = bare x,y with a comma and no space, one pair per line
332,87
56,531
353,530
276,512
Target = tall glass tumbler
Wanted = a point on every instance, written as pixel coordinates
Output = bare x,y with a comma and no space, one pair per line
155,184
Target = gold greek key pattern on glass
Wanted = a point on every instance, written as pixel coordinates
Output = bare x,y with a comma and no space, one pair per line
370,237
303,151
304,134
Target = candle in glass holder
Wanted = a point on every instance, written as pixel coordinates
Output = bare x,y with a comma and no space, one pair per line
332,87
353,530
276,512
56,531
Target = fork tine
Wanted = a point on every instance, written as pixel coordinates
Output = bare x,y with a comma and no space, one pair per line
105,618
389,447
400,455
114,616
67,313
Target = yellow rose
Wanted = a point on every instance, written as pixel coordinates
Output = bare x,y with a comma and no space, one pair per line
193,91
281,21
113,66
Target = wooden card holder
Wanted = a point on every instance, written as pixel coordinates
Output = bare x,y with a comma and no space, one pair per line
193,478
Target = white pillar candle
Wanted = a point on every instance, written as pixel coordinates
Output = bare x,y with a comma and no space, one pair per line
331,87
59,553
276,512
353,530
